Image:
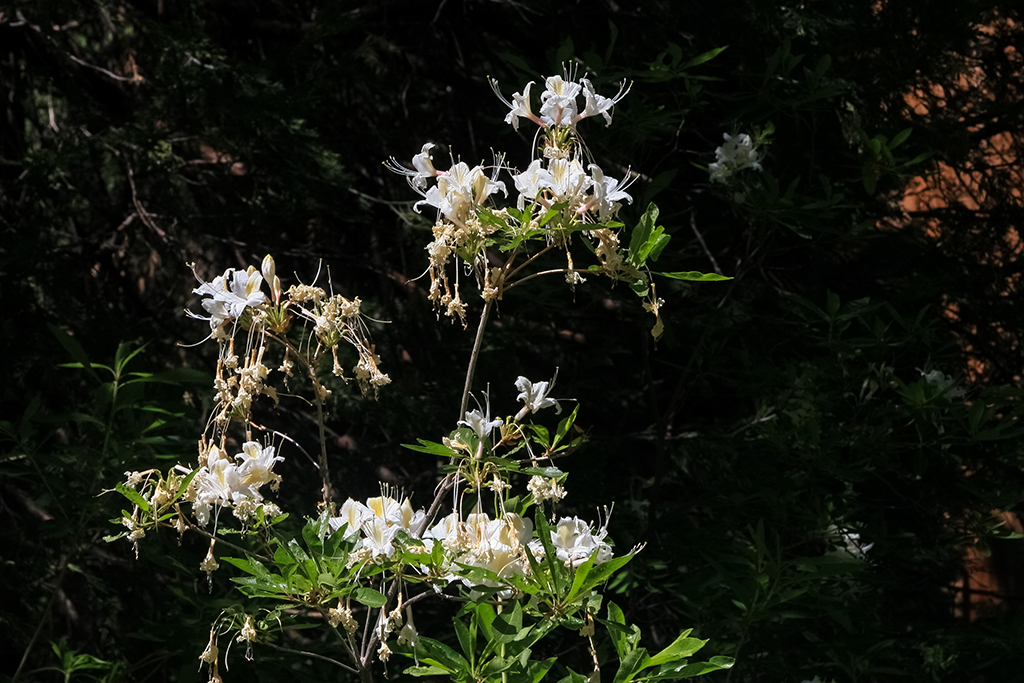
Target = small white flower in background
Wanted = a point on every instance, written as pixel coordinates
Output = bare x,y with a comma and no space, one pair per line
944,383
738,153
535,395
849,542
816,679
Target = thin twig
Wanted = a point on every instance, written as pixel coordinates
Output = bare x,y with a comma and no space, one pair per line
140,209
548,272
530,260
324,471
475,356
314,655
700,238
219,539
100,69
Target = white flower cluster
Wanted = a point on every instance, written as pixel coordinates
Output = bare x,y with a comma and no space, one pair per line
943,382
497,545
574,541
223,482
458,190
738,153
377,522
565,181
559,105
581,193
849,543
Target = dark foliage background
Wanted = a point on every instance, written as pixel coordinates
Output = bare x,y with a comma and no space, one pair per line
141,136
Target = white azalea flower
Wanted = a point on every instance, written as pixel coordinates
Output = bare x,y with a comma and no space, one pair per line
558,101
520,106
531,182
254,469
575,541
601,105
568,180
943,382
377,537
481,423
535,394
608,192
352,515
424,165
849,542
231,293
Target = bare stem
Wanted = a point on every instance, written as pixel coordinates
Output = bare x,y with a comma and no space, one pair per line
547,272
530,260
314,655
220,540
475,356
324,471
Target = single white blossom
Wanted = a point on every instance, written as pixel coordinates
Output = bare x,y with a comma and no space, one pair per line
519,107
558,101
531,182
231,293
596,104
534,395
608,192
481,423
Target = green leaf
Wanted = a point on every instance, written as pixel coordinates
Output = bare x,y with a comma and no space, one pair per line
900,138
72,346
681,648
133,495
427,671
647,238
431,447
507,625
695,276
369,597
438,654
705,57
633,663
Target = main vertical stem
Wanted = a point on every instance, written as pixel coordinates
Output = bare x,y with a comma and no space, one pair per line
325,473
474,357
